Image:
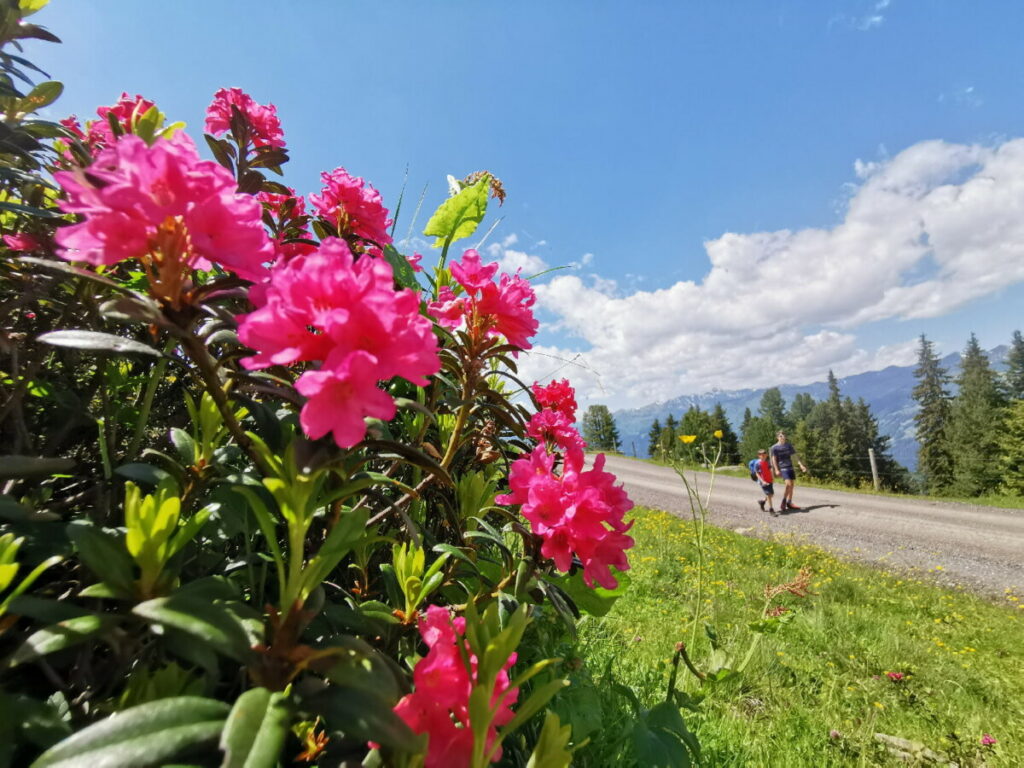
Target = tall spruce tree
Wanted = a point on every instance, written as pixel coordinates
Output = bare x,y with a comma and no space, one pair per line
599,429
931,421
654,438
773,408
1014,376
1011,446
800,408
975,423
730,443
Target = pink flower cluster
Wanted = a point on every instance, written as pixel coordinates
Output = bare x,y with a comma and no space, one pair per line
345,314
988,740
553,424
439,706
264,125
353,207
275,204
132,190
98,133
488,309
578,512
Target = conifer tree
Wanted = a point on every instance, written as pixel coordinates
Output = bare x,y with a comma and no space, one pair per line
759,433
1011,446
668,437
654,438
931,393
1014,376
599,429
730,443
800,408
975,423
773,408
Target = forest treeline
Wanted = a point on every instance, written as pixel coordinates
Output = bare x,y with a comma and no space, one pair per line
970,444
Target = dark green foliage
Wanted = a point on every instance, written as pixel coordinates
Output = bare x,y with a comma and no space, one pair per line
1014,376
800,408
599,429
730,442
759,433
1011,446
773,408
654,438
976,416
932,419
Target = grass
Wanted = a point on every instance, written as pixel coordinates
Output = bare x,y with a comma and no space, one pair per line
816,692
1004,501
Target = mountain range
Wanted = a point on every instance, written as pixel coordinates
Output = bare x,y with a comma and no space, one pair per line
887,392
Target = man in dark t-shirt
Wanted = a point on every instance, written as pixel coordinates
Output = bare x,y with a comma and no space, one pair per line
783,455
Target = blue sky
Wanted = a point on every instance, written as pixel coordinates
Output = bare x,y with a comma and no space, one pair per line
637,133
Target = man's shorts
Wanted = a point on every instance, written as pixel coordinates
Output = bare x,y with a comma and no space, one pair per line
768,489
788,473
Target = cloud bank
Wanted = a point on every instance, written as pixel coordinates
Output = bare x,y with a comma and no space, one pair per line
924,233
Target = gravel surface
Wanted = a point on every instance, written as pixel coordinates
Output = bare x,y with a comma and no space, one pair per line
980,548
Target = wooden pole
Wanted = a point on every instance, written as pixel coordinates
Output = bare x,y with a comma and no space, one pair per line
874,468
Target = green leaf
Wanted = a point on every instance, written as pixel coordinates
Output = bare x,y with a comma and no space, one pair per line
28,7
596,601
97,342
29,210
405,275
14,467
661,739
364,717
211,623
551,748
140,472
184,445
105,555
150,734
41,96
255,730
459,215
60,636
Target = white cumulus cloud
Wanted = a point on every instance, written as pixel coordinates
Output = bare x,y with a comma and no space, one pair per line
924,233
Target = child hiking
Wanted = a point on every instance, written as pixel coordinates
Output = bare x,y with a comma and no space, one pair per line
761,471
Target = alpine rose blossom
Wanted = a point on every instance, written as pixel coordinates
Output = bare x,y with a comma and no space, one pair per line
133,192
487,309
352,206
557,396
125,113
439,704
286,208
23,241
329,308
580,512
264,124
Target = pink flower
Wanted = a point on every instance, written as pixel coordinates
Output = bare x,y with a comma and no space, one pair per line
895,676
353,207
134,194
264,125
489,309
23,241
557,396
439,705
579,512
125,113
414,262
988,740
71,123
344,313
556,427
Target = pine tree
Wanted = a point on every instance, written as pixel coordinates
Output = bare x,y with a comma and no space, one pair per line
975,422
760,433
773,408
1011,446
730,443
800,408
931,393
654,438
599,429
1014,376
668,437
747,416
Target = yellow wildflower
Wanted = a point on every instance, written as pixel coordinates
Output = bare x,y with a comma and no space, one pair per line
687,438
717,433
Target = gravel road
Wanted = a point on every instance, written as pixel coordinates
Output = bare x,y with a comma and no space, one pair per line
980,548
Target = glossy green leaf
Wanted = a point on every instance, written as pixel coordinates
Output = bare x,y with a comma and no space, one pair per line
105,555
459,215
150,734
57,637
551,749
97,342
13,467
363,716
255,730
28,7
208,622
41,96
405,275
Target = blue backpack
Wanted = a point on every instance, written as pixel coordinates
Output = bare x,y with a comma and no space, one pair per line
752,466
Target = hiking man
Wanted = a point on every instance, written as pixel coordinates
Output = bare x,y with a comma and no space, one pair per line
783,455
761,471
